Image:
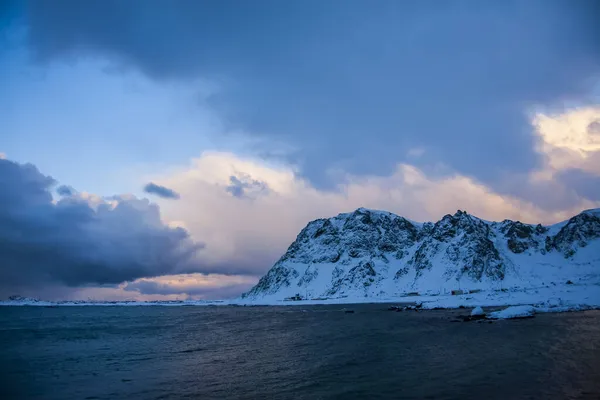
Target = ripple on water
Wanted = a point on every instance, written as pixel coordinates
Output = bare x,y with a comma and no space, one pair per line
279,353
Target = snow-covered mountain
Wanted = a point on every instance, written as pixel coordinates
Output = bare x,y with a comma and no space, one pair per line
370,253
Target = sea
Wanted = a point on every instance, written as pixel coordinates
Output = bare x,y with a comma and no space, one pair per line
293,352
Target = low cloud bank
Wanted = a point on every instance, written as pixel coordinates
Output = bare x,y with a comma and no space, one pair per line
81,239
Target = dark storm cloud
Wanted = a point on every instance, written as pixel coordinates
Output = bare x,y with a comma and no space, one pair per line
583,183
353,85
244,186
161,191
548,195
217,292
72,242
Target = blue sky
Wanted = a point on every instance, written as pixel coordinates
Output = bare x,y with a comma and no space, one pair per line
255,98
64,114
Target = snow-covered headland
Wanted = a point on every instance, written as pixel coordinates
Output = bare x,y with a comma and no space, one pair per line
461,260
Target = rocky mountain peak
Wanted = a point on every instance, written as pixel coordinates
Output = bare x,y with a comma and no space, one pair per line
362,233
463,241
461,222
522,237
577,232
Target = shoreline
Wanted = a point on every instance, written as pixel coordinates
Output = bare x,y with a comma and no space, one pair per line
555,299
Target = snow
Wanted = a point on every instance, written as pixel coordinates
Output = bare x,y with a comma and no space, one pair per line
552,299
513,312
376,213
477,311
593,211
440,260
547,298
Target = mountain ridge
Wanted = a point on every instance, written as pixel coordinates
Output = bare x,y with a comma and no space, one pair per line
375,253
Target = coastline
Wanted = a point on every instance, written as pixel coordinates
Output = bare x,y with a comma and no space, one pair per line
547,299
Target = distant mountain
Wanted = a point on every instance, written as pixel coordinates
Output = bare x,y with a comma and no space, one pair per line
370,253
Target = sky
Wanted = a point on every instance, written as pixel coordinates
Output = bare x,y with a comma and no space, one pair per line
155,149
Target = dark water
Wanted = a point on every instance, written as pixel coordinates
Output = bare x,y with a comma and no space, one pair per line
287,353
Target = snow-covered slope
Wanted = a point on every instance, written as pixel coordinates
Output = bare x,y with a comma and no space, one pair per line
371,254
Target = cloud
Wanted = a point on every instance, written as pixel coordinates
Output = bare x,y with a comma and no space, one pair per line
571,161
64,190
568,131
160,191
198,286
248,237
594,128
585,184
245,186
81,239
355,95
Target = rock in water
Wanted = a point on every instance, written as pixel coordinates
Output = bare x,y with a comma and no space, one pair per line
477,311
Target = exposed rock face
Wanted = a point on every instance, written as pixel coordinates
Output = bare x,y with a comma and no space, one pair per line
377,253
279,276
578,232
467,246
522,237
358,278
